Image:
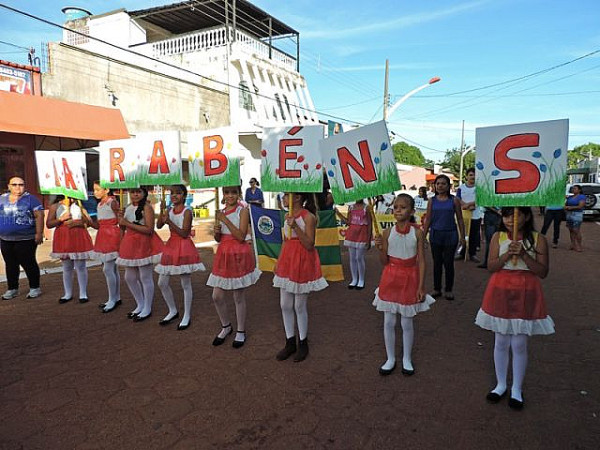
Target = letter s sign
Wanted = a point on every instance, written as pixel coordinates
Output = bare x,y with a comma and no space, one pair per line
529,175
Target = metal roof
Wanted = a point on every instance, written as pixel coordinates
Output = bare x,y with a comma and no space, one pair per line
185,17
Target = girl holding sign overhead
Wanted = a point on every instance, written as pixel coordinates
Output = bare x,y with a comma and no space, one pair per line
401,290
234,266
179,256
71,243
139,250
106,247
443,213
298,272
513,304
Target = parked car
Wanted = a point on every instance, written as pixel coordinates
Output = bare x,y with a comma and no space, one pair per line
592,199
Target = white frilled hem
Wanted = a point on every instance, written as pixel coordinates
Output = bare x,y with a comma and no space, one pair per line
514,326
179,270
73,256
154,259
355,244
104,257
299,288
230,284
403,310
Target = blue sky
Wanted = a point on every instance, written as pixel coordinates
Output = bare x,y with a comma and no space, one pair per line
470,44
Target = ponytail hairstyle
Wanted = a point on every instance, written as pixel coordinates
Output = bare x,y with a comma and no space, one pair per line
308,202
411,202
139,212
527,229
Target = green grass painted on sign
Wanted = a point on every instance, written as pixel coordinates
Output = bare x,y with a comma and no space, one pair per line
231,177
271,182
387,181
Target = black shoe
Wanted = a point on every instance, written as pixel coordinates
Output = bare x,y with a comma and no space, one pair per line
83,300
385,372
360,288
117,303
168,321
64,300
515,404
350,286
482,266
181,327
408,373
302,352
288,350
102,305
436,294
219,340
493,397
238,344
132,315
449,296
139,318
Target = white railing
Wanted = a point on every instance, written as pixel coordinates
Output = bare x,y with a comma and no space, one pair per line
218,37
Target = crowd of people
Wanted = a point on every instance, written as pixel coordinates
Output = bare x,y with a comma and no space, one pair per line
513,306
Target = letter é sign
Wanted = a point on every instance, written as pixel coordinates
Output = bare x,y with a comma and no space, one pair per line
529,176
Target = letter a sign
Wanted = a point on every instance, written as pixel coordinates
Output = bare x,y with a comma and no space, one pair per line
523,164
360,163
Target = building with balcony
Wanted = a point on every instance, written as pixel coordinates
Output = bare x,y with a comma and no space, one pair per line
187,66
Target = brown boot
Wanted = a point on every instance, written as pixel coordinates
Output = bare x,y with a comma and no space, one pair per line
288,350
302,350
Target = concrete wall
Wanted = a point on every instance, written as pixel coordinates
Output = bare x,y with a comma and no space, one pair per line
148,100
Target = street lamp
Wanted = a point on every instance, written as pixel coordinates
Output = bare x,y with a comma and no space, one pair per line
411,93
463,153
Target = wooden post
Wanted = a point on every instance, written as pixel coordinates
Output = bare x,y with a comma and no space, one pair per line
376,230
515,232
291,211
467,216
217,204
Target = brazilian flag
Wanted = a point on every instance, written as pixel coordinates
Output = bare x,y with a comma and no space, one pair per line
267,225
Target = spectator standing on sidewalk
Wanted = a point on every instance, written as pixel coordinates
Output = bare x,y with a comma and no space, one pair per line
21,231
491,222
554,214
468,202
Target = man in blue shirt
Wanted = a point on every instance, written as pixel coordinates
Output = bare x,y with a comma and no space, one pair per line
21,231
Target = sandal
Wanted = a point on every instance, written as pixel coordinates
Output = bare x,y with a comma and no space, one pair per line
219,340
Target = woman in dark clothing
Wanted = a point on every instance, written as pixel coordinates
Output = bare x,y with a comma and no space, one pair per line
443,214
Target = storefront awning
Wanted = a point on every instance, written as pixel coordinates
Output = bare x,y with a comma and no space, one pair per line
57,124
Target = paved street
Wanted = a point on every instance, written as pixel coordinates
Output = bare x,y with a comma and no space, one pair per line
73,378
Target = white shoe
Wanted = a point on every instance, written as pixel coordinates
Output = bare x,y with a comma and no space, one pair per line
33,293
11,293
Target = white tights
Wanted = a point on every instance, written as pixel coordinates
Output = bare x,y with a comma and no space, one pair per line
503,344
113,281
78,265
357,266
239,298
167,292
290,302
141,284
389,337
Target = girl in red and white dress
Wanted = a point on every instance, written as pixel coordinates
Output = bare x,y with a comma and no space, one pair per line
234,266
106,247
179,256
298,272
72,244
358,240
401,289
140,248
513,304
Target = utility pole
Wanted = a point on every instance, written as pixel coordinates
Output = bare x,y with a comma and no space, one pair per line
385,89
462,149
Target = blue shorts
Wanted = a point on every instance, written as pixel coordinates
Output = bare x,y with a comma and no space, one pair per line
574,219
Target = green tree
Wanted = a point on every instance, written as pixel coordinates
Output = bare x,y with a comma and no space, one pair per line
408,154
582,152
452,161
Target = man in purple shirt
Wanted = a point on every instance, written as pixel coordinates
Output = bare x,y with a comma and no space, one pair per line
21,231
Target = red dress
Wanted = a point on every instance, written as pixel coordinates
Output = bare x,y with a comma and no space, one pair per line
108,238
234,266
513,302
71,243
138,249
397,291
298,270
179,255
357,234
